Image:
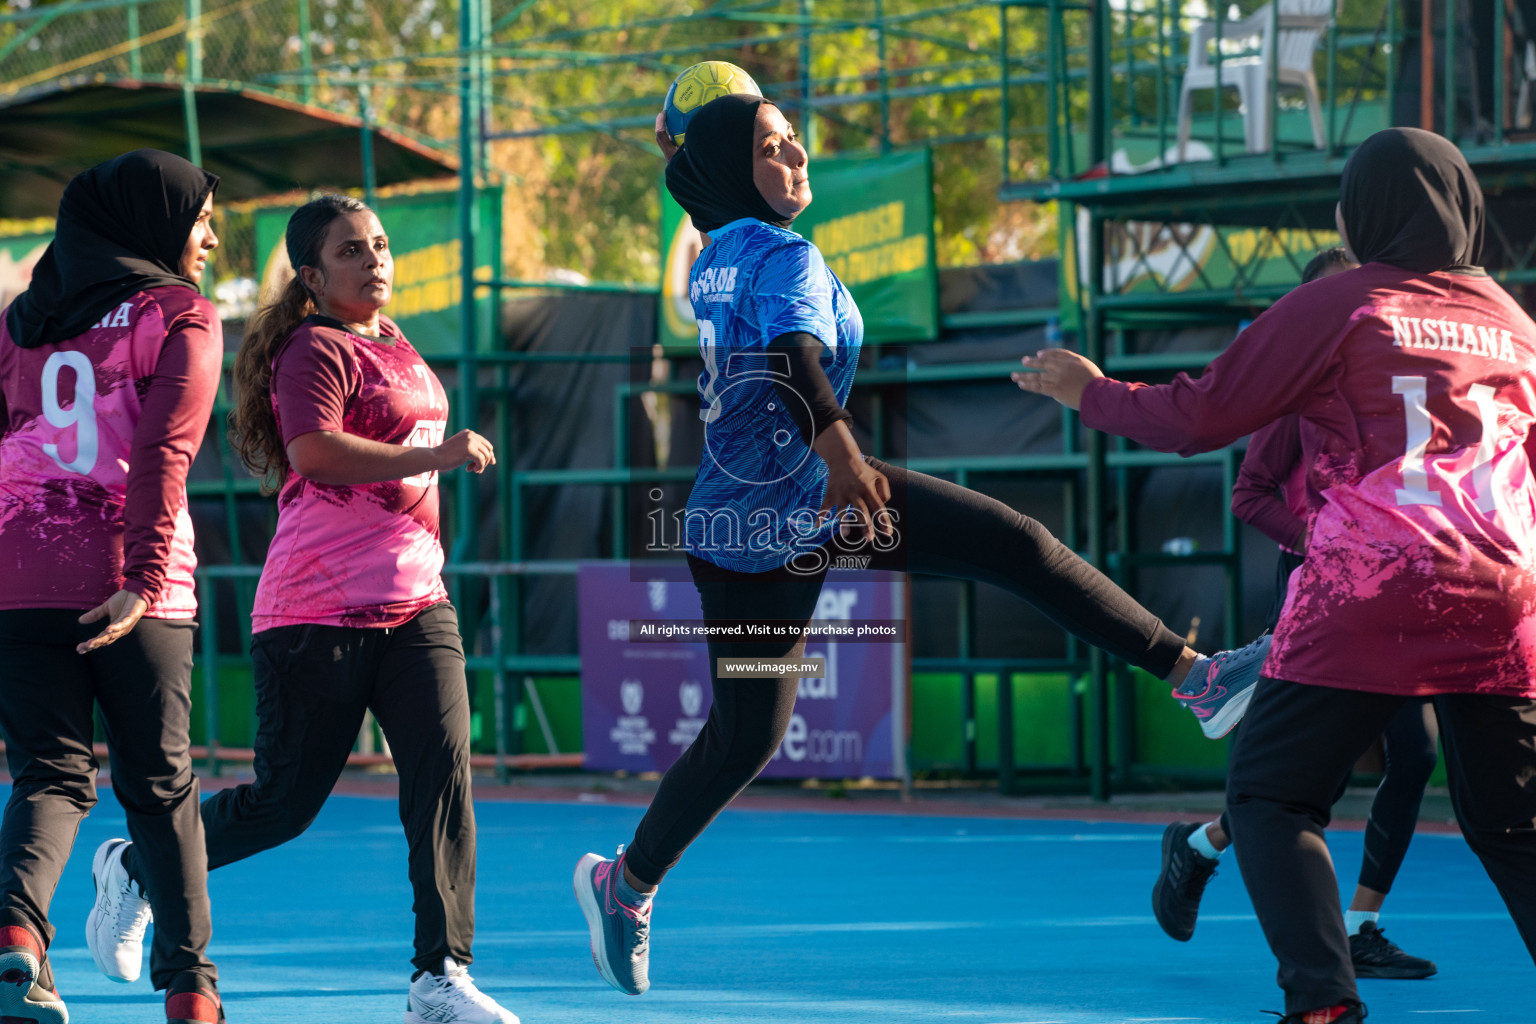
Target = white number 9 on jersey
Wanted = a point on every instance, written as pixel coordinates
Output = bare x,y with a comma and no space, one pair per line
81,415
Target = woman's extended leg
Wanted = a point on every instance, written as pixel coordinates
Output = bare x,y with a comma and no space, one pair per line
747,717
311,686
747,721
947,530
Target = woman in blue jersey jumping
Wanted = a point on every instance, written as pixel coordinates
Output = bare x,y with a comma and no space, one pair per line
780,338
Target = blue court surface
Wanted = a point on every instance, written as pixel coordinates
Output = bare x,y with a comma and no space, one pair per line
794,917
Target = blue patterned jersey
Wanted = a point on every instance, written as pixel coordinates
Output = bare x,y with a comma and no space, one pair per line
759,486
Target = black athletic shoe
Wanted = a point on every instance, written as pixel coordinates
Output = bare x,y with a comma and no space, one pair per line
1377,956
1354,1015
1181,882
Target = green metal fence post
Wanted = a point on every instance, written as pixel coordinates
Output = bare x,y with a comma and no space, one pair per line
193,40
885,88
1221,22
1095,493
1055,70
1450,69
1162,84
135,58
807,78
1500,34
370,170
306,57
1330,88
499,676
1391,48
1272,123
1005,765
469,123
1005,112
1098,84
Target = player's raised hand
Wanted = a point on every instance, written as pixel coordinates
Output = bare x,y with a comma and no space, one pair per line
122,611
663,139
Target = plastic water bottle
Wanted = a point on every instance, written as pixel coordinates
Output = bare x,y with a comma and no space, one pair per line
1053,334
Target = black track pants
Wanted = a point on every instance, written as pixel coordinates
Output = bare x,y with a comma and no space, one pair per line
313,684
143,684
1296,746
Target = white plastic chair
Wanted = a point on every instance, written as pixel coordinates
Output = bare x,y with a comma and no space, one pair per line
1301,24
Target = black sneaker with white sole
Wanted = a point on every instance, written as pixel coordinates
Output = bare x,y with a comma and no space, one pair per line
1180,882
1376,956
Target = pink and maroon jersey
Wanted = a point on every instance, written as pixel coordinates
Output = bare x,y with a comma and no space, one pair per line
365,555
1416,395
1271,489
96,436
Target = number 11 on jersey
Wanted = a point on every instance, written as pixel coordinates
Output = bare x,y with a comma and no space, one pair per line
1420,426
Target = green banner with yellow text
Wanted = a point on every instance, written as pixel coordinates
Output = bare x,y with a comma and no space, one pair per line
872,219
423,231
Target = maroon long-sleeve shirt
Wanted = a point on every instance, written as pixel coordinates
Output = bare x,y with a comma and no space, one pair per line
1271,489
97,434
1416,394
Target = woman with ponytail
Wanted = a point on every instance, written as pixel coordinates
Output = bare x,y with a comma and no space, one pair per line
108,366
337,412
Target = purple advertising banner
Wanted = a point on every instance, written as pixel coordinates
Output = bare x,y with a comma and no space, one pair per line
643,702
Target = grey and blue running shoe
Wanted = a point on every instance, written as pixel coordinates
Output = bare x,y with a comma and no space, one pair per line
621,934
1218,689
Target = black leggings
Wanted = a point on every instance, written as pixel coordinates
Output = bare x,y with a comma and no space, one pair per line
1411,742
943,530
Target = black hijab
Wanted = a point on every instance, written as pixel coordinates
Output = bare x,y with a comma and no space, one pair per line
122,227
1410,200
711,176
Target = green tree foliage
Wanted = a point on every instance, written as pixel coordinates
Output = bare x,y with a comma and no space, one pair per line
571,91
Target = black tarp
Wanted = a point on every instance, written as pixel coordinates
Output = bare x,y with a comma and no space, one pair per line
257,144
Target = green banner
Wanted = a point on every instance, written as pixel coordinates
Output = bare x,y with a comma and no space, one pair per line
872,219
18,255
423,231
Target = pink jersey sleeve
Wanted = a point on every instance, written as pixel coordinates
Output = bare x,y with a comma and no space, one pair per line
314,377
1269,468
170,430
1269,371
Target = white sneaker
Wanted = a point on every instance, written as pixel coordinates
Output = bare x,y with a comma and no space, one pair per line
451,998
115,928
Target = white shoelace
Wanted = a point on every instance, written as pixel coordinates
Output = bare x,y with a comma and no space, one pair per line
457,987
133,912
